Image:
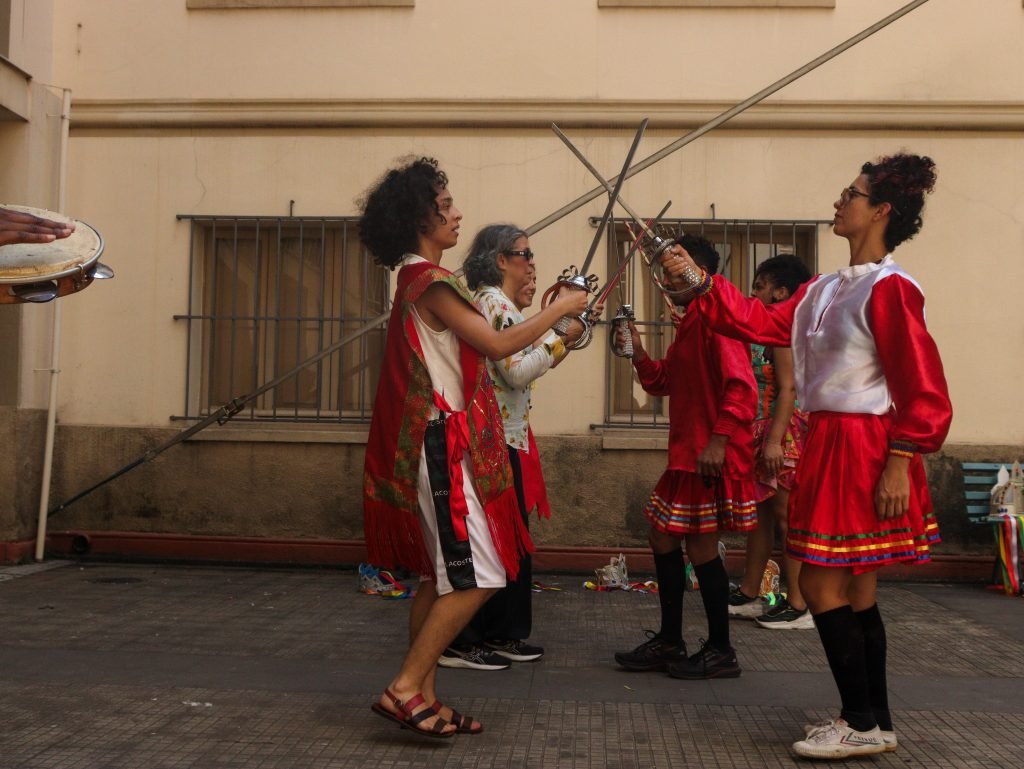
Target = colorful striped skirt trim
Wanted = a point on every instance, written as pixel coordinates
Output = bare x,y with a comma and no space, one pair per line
832,517
682,503
883,547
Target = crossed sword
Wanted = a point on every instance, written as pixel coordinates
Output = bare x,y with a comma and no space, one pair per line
648,243
575,278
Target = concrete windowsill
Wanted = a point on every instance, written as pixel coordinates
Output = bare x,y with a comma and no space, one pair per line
283,434
716,3
634,440
198,5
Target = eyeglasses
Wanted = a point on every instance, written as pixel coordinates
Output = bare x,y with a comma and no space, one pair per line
525,252
849,193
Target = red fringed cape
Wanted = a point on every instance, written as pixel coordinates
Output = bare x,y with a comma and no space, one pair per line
400,413
534,489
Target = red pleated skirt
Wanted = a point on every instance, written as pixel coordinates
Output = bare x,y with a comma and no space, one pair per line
682,503
832,518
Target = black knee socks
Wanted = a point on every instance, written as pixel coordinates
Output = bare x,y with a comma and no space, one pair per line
670,570
714,590
874,657
843,638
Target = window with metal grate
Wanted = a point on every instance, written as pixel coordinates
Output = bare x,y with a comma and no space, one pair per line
742,246
267,294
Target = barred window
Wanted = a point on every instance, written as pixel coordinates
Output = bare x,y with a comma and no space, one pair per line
269,293
742,245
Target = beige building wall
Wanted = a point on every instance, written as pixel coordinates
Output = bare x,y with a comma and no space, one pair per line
182,110
461,50
169,102
30,132
139,379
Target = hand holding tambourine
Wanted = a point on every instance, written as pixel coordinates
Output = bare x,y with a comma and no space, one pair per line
44,255
23,227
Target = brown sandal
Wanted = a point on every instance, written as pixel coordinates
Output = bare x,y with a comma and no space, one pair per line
406,719
463,724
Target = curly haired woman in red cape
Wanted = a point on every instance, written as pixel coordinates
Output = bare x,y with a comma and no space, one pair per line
438,497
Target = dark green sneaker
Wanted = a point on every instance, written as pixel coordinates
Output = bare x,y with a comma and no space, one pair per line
741,605
785,617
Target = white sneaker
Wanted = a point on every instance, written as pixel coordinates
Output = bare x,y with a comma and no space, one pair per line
837,739
810,729
889,740
888,737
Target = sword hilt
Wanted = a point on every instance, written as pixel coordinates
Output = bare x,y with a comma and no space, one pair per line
586,337
571,278
652,250
620,324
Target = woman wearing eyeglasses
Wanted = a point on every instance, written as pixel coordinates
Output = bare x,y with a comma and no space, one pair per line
869,374
498,266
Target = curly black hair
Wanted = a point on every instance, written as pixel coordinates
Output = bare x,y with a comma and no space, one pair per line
785,271
901,180
701,250
399,207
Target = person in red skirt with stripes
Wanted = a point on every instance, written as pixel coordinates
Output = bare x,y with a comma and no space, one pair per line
870,377
708,485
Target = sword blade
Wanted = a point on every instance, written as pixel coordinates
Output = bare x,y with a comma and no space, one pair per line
603,293
597,175
612,197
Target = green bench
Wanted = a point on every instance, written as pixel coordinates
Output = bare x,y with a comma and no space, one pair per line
979,478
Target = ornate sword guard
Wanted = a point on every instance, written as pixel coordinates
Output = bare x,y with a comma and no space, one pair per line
588,332
621,322
572,277
652,249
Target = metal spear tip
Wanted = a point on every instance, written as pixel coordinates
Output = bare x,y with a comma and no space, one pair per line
35,292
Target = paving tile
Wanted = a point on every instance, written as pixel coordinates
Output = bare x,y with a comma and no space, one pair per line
131,666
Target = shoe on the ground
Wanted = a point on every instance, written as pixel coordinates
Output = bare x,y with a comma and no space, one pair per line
743,606
889,740
785,617
472,658
837,739
810,729
709,662
888,736
656,653
515,650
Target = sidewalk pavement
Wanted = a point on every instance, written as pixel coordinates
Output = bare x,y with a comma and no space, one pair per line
153,666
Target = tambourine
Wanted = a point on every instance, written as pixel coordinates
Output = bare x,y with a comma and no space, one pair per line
40,272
